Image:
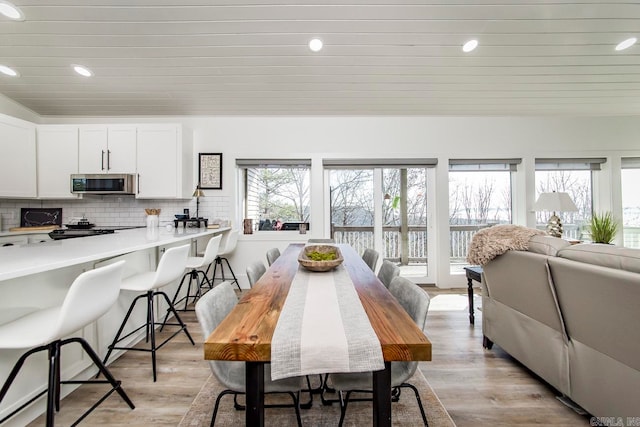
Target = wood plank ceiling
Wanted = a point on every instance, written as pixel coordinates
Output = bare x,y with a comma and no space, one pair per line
380,57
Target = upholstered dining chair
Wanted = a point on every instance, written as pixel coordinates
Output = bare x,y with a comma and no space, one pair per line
388,272
370,257
211,309
272,255
415,301
255,270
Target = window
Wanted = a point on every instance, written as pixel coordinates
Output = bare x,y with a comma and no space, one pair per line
276,193
572,176
479,197
631,201
382,204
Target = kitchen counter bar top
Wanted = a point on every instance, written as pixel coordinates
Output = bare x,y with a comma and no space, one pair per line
23,260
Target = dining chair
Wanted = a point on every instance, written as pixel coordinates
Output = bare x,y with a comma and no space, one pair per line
370,257
388,272
211,309
272,255
415,301
255,270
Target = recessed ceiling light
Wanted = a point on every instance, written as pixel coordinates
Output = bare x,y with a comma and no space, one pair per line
8,71
10,11
82,70
626,43
315,45
470,45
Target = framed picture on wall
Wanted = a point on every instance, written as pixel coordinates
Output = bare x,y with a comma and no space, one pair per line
210,171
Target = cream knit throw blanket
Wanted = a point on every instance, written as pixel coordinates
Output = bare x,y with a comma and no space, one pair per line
490,242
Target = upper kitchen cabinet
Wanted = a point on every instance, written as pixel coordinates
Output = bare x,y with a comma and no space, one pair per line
17,158
57,159
107,149
164,160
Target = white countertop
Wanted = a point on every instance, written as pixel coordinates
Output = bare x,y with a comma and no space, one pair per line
32,258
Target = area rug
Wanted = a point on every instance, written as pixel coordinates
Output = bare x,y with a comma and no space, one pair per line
405,412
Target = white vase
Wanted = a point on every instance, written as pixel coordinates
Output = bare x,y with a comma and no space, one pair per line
153,221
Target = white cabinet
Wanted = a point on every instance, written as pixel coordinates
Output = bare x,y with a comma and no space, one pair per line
57,159
107,149
164,162
17,158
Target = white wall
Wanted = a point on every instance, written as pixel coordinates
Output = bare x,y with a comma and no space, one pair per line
386,137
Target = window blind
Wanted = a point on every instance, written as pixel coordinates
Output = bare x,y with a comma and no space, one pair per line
575,164
273,163
378,163
489,165
630,162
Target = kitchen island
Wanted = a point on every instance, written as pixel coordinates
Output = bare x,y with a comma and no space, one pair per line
38,275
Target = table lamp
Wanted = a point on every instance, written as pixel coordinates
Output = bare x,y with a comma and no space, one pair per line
197,194
555,202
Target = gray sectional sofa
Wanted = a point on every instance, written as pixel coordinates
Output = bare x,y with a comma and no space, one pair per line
571,314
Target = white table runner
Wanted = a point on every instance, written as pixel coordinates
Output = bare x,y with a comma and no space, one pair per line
323,328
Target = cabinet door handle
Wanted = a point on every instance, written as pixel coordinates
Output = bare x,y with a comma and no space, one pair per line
108,159
138,183
102,161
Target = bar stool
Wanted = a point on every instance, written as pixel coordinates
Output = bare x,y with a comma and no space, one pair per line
229,247
196,265
169,269
90,296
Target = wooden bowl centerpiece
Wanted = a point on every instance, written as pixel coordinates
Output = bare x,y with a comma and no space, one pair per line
320,257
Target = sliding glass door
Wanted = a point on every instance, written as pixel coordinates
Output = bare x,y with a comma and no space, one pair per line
384,208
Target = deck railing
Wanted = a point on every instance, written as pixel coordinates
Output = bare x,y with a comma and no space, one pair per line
459,240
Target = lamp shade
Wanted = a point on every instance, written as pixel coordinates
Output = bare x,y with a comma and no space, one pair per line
198,192
555,202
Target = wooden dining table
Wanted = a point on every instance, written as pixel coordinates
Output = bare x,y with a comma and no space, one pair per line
246,333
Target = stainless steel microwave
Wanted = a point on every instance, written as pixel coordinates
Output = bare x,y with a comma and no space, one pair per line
103,184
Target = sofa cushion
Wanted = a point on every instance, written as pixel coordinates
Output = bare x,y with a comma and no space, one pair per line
604,255
547,245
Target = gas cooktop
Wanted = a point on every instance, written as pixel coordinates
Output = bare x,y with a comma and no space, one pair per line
69,233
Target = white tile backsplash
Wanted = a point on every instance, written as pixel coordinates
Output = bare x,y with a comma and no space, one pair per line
116,210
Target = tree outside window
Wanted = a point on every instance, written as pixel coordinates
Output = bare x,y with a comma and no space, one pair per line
277,195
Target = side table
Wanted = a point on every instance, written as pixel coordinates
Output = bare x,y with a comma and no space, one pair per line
473,273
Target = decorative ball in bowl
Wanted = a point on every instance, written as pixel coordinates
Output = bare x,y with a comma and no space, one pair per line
320,257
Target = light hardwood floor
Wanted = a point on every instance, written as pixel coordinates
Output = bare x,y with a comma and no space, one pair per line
478,387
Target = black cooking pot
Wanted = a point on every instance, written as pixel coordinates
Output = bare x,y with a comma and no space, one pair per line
80,225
